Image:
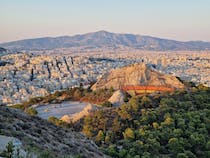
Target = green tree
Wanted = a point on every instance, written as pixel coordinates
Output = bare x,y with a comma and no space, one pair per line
133,104
168,120
109,138
129,134
116,125
31,111
100,137
146,155
145,101
208,145
87,127
112,151
181,155
9,151
155,125
175,145
123,153
107,104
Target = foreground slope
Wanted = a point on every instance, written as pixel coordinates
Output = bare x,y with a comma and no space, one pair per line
35,132
136,75
104,39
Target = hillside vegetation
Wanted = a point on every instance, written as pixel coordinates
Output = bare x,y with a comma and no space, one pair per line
73,94
176,126
164,125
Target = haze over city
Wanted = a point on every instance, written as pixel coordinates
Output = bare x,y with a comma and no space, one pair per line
179,20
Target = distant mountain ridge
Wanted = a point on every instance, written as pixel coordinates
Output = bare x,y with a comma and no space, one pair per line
104,39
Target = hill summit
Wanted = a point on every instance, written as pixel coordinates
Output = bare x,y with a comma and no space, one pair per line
139,77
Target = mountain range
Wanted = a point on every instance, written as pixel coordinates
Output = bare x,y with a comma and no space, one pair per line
107,40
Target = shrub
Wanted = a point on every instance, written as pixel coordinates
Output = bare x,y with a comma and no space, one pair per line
18,106
58,122
9,151
31,111
107,104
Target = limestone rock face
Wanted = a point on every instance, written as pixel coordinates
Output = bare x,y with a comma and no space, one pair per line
117,98
66,118
77,116
137,75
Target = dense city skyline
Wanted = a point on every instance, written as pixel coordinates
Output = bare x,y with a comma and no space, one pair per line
178,20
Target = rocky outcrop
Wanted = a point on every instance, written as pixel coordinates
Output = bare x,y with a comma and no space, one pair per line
117,98
137,74
39,133
77,116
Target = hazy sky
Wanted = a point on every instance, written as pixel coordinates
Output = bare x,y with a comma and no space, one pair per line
173,19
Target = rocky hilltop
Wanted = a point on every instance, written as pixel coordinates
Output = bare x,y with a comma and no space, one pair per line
34,132
136,75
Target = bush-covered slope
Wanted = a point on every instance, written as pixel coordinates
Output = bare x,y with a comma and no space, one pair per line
176,126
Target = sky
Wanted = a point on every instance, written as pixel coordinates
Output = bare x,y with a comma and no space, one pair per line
183,20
